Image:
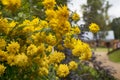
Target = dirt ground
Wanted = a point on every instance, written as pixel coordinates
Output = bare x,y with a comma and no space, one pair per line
115,67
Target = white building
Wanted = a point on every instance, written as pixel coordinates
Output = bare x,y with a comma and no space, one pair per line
88,36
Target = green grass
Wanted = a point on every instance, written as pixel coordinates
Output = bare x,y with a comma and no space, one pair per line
115,56
101,49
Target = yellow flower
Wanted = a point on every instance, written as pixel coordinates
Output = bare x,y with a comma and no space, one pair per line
44,62
56,57
53,24
67,43
94,28
78,48
63,70
63,27
87,54
50,14
13,47
28,29
39,38
11,60
21,60
43,71
73,65
41,48
43,24
2,43
49,4
49,48
76,30
12,4
3,55
62,13
35,21
2,69
4,25
12,24
75,17
31,50
51,39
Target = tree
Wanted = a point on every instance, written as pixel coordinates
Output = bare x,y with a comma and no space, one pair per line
96,11
115,26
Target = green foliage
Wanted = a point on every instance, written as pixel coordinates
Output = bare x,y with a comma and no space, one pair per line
115,56
115,26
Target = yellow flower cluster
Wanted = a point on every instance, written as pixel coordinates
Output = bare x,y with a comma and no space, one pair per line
50,39
6,26
73,65
12,4
56,57
75,17
13,47
94,27
2,43
21,60
82,50
33,44
43,71
3,55
2,69
49,4
62,70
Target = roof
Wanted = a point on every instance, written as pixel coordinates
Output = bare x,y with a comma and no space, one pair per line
88,36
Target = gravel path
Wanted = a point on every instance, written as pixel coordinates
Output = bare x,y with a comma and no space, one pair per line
115,67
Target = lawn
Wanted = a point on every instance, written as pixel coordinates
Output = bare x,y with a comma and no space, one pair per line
101,49
115,56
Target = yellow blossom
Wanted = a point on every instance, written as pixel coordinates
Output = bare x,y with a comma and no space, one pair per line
75,17
43,71
4,25
94,27
13,47
49,4
2,43
56,57
41,48
78,48
76,30
63,70
12,4
62,13
49,48
12,24
51,39
3,55
11,60
43,24
21,60
44,62
73,65
50,14
31,50
63,27
2,69
53,24
28,29
87,54
35,21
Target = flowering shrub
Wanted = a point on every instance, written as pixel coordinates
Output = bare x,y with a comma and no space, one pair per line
41,49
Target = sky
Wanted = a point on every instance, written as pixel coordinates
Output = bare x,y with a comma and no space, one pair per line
113,11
